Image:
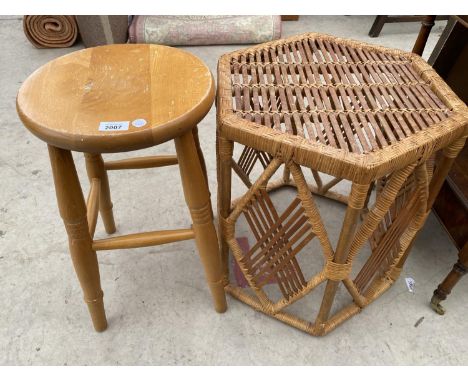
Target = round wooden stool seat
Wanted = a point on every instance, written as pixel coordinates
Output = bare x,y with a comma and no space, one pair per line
116,97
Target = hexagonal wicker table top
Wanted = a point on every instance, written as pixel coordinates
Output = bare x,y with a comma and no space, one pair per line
341,106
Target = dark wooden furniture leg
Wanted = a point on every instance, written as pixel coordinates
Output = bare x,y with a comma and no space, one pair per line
443,290
377,26
381,20
426,26
289,17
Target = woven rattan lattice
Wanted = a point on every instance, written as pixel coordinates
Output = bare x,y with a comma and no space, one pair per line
353,111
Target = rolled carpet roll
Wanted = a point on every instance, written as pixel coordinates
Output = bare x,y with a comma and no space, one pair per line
50,31
204,30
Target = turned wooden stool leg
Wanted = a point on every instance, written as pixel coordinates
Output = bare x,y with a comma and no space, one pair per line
443,290
198,200
95,169
202,162
200,155
73,212
225,150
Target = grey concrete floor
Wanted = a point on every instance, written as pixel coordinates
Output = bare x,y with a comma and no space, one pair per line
158,305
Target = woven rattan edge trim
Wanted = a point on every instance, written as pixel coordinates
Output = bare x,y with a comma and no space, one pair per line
287,318
290,319
438,86
285,146
361,168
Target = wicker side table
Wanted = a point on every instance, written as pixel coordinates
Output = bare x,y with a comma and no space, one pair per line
356,112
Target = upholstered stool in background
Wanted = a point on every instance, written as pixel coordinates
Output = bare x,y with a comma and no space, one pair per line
349,112
119,98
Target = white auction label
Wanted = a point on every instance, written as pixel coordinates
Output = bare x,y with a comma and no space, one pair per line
140,122
410,284
114,126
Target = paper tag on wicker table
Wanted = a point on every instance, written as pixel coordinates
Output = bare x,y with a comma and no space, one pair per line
410,283
114,126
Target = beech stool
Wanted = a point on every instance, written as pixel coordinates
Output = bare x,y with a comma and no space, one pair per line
344,111
118,98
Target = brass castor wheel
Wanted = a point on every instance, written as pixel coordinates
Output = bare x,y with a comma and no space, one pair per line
436,307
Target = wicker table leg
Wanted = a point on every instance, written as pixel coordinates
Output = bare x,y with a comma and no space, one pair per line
73,211
225,150
198,201
356,202
448,157
450,153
